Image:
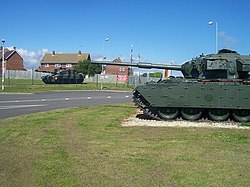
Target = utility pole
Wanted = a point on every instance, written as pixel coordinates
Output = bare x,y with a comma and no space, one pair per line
131,61
104,58
3,65
216,34
131,53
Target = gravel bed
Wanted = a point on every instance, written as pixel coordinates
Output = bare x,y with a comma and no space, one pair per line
142,120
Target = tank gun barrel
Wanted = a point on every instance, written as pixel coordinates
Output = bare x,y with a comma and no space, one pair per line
140,65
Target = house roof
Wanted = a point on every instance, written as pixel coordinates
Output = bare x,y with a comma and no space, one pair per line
8,53
117,60
65,57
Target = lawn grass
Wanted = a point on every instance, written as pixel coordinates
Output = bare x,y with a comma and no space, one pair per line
27,86
87,146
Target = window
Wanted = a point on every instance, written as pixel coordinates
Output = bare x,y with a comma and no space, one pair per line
121,69
68,65
57,65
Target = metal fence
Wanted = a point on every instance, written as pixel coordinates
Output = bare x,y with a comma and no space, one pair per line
133,80
29,74
33,77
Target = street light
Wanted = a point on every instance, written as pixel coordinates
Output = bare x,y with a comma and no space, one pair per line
216,34
130,70
3,68
103,47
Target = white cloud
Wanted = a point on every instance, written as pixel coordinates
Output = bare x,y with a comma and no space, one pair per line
31,58
227,41
97,57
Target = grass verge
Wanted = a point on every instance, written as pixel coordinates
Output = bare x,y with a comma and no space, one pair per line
26,86
87,146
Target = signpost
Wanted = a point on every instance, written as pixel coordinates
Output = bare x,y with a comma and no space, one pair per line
121,78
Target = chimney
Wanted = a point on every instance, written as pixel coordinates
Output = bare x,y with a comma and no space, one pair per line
79,53
14,48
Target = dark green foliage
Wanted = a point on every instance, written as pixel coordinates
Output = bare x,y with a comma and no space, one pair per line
154,74
87,68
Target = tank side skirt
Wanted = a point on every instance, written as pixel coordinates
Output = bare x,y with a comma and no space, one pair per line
204,95
197,95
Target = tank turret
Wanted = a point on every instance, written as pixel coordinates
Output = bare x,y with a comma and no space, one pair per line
226,64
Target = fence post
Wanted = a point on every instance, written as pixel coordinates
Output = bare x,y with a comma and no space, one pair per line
32,78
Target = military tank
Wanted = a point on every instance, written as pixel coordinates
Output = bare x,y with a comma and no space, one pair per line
214,86
63,77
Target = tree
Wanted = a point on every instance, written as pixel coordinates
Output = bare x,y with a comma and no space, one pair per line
156,74
87,68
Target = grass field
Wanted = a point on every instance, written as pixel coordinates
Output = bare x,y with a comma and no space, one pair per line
27,86
87,146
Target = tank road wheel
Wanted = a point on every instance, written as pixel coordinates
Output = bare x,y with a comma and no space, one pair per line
168,113
218,114
191,113
241,115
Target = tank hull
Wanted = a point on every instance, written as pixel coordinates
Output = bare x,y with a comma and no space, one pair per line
48,79
185,96
198,95
64,77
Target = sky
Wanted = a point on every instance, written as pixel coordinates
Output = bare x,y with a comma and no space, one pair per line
161,31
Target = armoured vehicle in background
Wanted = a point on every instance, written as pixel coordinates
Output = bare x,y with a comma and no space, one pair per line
216,86
63,77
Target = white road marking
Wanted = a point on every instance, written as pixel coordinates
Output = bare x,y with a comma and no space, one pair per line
18,106
63,99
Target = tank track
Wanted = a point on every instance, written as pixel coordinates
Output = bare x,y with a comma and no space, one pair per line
153,112
142,104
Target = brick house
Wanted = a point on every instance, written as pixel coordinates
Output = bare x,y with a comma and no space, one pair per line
13,60
116,70
54,60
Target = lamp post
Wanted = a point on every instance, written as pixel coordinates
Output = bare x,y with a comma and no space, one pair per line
103,47
3,68
130,70
216,34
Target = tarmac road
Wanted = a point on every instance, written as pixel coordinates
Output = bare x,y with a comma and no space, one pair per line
19,104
